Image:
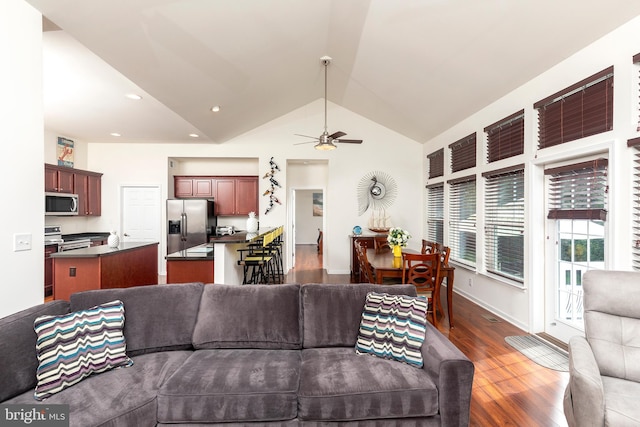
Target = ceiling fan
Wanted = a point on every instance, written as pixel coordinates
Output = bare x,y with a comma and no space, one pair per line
326,141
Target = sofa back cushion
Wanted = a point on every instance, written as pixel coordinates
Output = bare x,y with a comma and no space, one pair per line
249,316
157,318
18,348
612,321
332,313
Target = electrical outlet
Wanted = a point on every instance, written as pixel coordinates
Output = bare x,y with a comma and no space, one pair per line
470,281
21,242
72,272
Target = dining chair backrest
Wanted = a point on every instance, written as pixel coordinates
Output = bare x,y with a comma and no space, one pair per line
423,272
428,247
366,271
444,252
381,244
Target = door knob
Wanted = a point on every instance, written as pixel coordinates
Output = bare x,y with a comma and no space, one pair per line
125,235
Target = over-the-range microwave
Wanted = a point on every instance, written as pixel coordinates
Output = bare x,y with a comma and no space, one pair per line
60,204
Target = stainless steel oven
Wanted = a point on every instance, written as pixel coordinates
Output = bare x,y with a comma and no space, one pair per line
69,245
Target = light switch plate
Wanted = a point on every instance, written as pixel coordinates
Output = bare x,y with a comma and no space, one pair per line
21,242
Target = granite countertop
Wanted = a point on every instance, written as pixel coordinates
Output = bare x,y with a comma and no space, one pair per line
241,236
103,250
196,253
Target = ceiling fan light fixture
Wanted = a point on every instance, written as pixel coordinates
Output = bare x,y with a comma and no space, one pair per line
324,146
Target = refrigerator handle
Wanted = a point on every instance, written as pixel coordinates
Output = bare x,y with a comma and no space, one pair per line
183,226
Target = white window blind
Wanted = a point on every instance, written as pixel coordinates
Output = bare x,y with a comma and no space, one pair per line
462,220
435,212
635,232
504,222
578,191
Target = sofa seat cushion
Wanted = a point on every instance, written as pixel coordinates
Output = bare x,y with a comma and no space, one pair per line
621,401
336,384
233,385
122,396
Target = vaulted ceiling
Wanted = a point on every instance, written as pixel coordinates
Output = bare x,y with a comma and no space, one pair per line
415,66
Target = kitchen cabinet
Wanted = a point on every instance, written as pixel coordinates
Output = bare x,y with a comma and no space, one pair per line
58,179
191,186
86,184
233,195
48,269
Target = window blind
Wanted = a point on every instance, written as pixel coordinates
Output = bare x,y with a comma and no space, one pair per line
506,137
504,222
435,213
578,111
578,191
436,163
462,220
463,153
635,231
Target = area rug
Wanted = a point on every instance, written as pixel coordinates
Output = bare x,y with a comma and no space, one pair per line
539,351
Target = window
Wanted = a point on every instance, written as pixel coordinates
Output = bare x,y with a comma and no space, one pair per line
463,153
506,137
462,220
578,111
636,61
504,222
436,163
435,213
635,231
578,191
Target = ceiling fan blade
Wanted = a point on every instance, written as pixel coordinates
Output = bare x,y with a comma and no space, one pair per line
337,135
308,142
306,136
348,141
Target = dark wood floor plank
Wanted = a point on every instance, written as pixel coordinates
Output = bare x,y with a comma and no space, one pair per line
508,388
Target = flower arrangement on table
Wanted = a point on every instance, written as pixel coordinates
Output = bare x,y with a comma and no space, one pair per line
398,237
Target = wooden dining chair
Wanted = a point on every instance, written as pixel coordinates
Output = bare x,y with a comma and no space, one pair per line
428,247
423,271
381,244
366,271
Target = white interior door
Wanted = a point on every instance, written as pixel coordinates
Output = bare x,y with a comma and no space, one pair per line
142,216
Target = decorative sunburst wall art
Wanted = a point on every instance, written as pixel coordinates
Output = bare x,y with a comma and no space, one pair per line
376,190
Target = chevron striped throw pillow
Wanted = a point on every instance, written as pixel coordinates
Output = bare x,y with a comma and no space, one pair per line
76,345
393,327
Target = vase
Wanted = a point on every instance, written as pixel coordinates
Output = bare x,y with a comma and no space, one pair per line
113,240
397,251
252,223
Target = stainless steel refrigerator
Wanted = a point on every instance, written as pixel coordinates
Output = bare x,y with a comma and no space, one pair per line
190,223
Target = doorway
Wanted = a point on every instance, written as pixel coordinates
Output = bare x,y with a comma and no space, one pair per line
308,224
141,216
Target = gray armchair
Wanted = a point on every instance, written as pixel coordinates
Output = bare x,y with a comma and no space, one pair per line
604,366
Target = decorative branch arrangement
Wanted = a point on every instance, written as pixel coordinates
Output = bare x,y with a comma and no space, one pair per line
274,184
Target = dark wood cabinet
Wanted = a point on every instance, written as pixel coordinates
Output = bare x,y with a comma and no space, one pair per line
48,269
233,195
58,179
86,184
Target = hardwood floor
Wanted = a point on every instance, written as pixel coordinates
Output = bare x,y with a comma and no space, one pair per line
508,388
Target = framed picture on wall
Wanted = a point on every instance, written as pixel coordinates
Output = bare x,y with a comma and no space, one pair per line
64,152
317,204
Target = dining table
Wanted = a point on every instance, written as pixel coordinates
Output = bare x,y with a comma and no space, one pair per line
385,265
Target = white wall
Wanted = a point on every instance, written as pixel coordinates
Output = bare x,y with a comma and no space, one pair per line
147,164
22,170
307,225
524,307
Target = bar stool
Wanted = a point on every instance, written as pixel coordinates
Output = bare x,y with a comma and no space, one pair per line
256,261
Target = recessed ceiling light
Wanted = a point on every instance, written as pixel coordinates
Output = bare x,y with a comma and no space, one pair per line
133,96
115,134
215,108
194,135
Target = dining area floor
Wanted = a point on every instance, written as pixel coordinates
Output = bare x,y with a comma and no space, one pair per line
508,388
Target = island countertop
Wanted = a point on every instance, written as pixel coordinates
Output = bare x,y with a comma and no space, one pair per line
196,253
103,250
241,236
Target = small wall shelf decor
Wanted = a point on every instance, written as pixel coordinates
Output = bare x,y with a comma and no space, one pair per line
274,184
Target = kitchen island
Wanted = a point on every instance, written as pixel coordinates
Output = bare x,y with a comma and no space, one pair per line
191,265
225,253
103,267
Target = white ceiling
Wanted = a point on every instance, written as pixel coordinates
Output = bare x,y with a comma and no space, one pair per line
415,66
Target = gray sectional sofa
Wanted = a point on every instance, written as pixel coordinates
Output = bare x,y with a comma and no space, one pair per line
278,355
